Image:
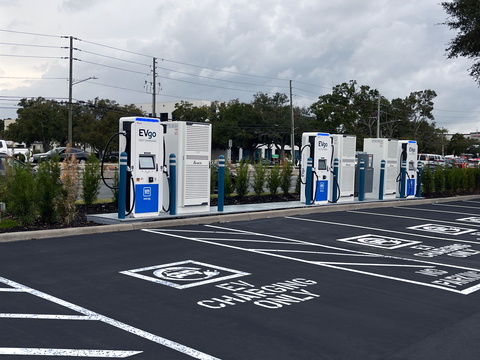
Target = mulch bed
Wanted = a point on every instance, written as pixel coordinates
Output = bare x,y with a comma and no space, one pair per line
82,210
80,219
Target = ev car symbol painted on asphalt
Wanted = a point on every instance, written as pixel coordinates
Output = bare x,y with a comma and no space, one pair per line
184,274
443,229
379,241
472,219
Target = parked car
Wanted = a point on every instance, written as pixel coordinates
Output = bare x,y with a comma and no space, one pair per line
4,158
80,154
456,162
24,152
431,159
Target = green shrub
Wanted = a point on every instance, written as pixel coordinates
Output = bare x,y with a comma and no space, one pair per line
476,174
20,196
273,179
48,190
470,179
439,179
286,176
298,184
259,177
449,179
91,180
427,180
242,179
115,185
213,177
229,187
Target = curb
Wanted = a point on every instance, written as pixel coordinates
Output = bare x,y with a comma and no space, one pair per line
221,218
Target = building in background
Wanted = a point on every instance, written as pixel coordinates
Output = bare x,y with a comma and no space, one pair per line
164,110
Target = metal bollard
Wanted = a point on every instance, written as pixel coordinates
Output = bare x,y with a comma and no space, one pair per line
334,184
173,184
403,179
361,187
122,185
308,183
419,180
221,182
382,180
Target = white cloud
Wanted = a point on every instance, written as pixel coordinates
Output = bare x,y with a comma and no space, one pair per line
394,46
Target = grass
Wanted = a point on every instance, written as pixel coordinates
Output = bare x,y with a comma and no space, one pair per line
7,223
98,201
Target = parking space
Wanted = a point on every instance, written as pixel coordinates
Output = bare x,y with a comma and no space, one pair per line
384,283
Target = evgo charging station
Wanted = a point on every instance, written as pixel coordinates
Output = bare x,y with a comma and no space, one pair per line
150,187
143,143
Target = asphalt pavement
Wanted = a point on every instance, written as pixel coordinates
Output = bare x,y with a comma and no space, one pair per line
391,280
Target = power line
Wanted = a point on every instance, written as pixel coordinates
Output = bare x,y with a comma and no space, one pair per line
183,63
223,80
30,45
214,86
112,57
30,78
28,33
111,67
304,83
116,87
36,56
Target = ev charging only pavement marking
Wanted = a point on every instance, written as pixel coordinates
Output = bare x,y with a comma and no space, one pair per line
91,316
446,277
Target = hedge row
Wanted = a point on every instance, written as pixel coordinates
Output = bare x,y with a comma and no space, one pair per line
449,179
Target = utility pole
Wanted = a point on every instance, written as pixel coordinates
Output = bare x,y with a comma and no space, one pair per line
292,139
154,89
70,85
378,117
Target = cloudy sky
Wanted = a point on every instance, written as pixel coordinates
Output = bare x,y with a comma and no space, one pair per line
223,50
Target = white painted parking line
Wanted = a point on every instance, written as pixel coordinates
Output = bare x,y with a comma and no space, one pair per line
48,317
115,323
459,206
457,279
369,228
473,220
438,211
11,290
68,352
441,229
406,217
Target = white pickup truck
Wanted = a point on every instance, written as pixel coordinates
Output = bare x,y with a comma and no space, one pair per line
14,151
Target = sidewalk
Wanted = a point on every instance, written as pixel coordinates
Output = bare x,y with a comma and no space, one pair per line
231,213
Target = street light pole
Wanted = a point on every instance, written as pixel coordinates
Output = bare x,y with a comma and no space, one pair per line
292,139
70,81
378,117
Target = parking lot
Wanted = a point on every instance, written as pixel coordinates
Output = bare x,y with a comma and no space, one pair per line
383,283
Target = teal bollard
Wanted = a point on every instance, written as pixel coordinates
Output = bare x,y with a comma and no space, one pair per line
173,184
221,182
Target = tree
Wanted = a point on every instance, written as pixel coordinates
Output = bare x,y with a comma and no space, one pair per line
464,16
335,113
185,111
39,120
274,112
104,119
458,145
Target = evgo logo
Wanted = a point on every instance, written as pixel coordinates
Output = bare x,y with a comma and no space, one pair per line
147,133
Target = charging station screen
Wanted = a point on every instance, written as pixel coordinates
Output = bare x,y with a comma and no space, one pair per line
147,162
410,166
322,164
